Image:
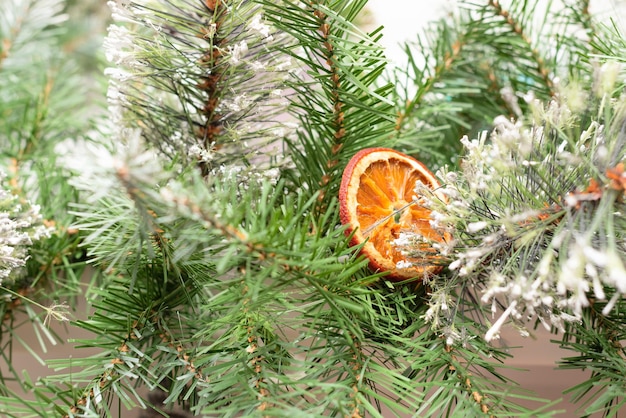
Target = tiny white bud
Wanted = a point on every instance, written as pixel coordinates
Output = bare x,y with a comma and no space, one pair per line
476,226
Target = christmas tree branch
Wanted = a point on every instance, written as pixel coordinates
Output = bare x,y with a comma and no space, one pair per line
465,377
338,116
220,276
597,340
516,27
337,104
227,77
28,20
449,50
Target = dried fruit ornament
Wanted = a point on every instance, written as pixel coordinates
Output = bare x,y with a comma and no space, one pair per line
378,203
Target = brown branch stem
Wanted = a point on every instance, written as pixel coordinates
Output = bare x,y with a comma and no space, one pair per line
338,121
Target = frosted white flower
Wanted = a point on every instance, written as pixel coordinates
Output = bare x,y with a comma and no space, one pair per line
430,314
257,25
199,153
120,11
476,226
609,306
451,177
469,145
545,264
455,264
572,271
525,216
571,200
450,191
403,240
238,103
238,52
557,114
451,335
494,331
211,31
510,138
616,272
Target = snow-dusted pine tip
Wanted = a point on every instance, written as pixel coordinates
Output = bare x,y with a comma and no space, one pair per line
533,212
21,224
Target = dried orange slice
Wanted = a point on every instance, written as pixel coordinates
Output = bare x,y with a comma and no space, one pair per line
377,202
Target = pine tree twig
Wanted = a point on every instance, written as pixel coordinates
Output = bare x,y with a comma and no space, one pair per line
209,133
587,20
446,63
25,20
466,378
251,247
325,29
338,104
516,28
612,335
8,43
598,342
357,364
256,361
108,377
213,222
214,71
17,301
582,17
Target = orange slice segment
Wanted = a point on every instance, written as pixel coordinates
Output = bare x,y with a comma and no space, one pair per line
376,201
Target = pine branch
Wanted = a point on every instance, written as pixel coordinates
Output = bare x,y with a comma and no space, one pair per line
451,52
232,291
429,123
38,111
339,109
597,340
245,252
24,22
214,71
463,71
461,374
147,348
537,215
517,27
38,89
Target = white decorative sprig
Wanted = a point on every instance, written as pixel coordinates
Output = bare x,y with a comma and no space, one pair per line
21,225
100,171
534,213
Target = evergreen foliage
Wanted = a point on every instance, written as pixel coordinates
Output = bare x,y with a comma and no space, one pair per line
200,208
